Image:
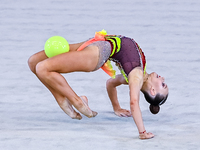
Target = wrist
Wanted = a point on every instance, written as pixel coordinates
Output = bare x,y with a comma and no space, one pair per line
116,107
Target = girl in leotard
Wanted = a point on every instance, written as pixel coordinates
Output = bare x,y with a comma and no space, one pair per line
91,55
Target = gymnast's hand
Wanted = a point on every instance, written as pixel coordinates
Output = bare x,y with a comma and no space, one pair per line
123,113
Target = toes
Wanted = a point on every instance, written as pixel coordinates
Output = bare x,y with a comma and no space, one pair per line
77,116
85,101
94,113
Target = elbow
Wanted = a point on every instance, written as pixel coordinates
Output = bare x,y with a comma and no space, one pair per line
109,83
113,83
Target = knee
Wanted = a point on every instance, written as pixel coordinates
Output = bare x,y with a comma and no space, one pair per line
109,83
32,63
41,69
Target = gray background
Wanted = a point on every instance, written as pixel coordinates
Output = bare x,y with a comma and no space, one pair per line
167,31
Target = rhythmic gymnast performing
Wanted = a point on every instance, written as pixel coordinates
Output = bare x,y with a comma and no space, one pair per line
91,55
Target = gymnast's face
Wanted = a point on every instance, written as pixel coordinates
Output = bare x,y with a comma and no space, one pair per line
158,84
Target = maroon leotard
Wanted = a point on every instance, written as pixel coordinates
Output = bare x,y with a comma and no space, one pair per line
128,56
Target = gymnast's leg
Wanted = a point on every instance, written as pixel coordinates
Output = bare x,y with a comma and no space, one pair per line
48,71
62,100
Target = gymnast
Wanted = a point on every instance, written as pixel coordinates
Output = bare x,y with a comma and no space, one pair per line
96,53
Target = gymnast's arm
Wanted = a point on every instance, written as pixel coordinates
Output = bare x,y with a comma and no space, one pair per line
135,84
111,85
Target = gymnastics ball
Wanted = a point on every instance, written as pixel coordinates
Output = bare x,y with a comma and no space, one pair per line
56,45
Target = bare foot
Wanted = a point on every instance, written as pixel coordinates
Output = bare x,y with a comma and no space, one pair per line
146,135
69,110
85,101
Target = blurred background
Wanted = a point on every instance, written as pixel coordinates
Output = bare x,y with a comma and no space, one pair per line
167,31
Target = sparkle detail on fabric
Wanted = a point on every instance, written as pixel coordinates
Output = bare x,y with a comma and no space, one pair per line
125,52
104,52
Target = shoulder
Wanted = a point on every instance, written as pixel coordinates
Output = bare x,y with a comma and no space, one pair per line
136,76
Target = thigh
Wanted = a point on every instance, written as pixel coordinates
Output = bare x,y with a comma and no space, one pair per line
40,56
85,60
74,47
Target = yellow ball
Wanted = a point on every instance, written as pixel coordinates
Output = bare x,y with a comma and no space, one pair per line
56,45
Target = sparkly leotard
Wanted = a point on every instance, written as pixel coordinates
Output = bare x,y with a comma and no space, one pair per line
104,52
123,50
127,58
